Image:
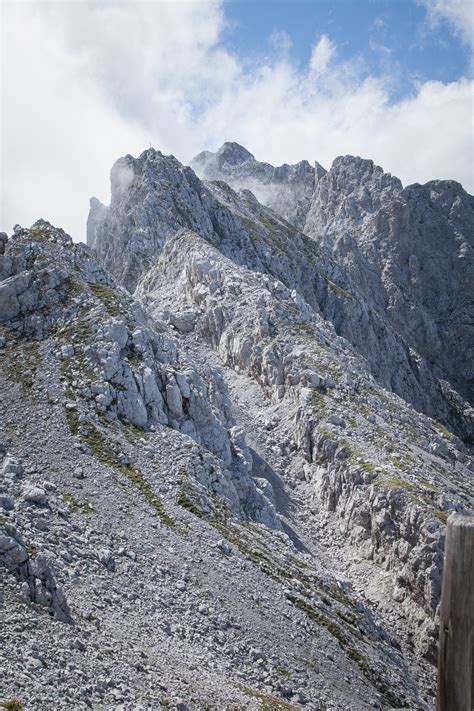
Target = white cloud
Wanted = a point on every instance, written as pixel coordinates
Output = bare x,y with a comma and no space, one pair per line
280,41
459,14
85,83
321,55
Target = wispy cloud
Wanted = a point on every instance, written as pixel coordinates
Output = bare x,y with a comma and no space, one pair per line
84,83
458,14
321,56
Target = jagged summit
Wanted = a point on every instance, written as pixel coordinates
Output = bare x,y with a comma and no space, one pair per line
285,188
349,213
232,154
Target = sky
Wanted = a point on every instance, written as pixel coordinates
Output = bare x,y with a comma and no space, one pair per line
83,83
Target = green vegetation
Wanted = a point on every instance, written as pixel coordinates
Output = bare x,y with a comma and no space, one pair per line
187,497
416,493
441,515
77,505
81,330
400,465
70,366
72,422
386,481
32,550
132,433
258,553
267,701
327,433
105,452
443,430
12,705
362,662
21,363
135,357
109,298
318,403
338,290
35,235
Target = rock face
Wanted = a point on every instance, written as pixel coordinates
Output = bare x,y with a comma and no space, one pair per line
224,468
287,189
410,251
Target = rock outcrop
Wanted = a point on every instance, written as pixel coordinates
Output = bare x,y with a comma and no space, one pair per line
408,255
287,189
410,251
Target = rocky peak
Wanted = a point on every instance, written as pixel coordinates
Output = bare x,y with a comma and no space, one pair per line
409,251
152,196
356,213
232,154
285,188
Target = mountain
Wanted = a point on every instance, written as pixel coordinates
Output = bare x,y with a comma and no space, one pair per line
408,252
287,189
226,471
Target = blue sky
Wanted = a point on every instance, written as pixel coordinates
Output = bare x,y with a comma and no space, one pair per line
388,36
389,80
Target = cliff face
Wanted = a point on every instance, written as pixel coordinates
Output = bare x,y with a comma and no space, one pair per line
225,473
410,252
287,189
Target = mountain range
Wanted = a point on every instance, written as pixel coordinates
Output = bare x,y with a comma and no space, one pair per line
232,428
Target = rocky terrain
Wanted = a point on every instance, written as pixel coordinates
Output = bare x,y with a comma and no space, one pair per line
232,428
408,252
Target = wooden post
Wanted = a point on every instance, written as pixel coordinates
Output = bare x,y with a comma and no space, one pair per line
456,628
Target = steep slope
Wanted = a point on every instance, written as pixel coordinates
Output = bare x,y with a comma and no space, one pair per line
132,506
356,448
218,489
407,252
410,251
287,189
243,281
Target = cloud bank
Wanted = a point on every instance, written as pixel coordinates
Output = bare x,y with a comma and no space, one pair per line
83,83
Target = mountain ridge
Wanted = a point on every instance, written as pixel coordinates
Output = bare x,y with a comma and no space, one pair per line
226,469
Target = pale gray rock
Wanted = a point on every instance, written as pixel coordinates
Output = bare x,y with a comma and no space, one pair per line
35,572
409,252
34,494
12,467
229,476
287,189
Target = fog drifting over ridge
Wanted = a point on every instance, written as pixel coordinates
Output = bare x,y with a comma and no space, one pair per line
87,83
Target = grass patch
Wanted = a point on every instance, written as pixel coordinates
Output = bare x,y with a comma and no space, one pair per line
105,453
72,421
440,515
12,705
335,288
77,505
353,653
392,482
22,364
443,430
35,235
267,701
318,404
108,297
400,465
